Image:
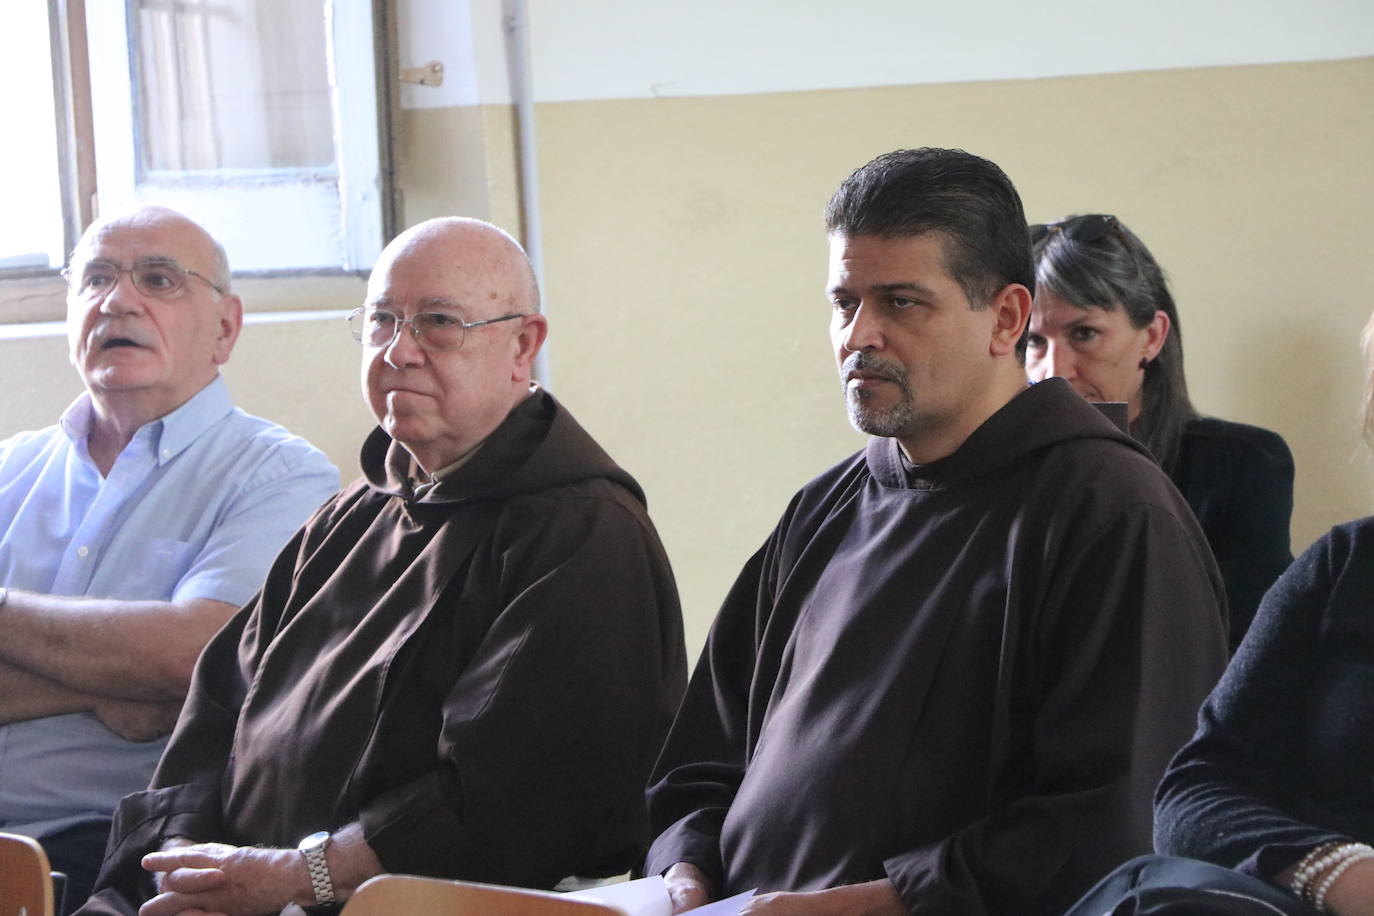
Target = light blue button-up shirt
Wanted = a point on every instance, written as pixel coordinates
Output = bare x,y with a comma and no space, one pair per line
196,506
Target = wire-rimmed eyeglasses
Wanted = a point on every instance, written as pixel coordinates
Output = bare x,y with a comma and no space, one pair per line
1090,227
160,278
434,331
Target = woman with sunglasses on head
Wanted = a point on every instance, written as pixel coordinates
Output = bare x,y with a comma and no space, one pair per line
1104,320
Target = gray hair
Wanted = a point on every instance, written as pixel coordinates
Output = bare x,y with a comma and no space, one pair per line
219,269
219,266
1117,271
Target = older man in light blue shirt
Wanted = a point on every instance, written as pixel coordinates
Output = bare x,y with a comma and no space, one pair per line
130,531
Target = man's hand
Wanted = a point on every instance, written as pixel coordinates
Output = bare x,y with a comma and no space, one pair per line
688,887
876,898
215,878
137,720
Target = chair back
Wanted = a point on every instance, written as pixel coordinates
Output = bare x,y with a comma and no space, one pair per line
25,879
390,895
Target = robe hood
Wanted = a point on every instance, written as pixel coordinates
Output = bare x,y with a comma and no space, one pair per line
1045,414
537,447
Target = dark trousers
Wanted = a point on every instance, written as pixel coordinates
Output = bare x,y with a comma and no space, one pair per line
77,853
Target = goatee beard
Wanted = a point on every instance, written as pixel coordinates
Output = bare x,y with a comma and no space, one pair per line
866,418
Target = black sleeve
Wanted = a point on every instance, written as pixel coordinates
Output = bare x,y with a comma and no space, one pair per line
1240,486
1229,794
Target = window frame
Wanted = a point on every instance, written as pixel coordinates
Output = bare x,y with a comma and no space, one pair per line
365,99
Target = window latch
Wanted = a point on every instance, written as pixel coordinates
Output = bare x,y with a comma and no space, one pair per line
431,74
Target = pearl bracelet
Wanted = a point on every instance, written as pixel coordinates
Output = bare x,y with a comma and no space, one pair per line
1359,855
1334,856
1312,865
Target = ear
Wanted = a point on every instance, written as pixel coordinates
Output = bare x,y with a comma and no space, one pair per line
1011,308
1156,333
230,323
533,330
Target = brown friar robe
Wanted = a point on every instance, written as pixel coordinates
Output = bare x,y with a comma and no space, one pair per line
482,675
964,677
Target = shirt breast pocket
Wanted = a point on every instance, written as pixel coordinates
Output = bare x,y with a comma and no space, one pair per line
151,569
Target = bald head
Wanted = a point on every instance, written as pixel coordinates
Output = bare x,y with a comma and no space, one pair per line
482,256
209,257
441,401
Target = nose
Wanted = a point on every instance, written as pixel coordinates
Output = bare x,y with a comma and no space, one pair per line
864,331
1057,362
124,297
404,350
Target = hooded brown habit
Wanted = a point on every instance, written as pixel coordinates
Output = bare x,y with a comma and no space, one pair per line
481,675
965,677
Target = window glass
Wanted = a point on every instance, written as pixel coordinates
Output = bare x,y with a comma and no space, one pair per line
232,85
31,227
259,119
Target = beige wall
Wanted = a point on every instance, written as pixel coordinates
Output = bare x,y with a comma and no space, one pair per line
685,265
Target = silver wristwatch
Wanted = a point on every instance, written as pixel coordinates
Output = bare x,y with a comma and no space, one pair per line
312,847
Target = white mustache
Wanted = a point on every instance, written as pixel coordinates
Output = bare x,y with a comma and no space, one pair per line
105,333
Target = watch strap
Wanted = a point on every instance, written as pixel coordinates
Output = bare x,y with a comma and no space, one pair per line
313,849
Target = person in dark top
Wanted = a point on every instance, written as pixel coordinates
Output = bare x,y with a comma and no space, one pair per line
1280,766
950,679
1105,321
1276,782
464,664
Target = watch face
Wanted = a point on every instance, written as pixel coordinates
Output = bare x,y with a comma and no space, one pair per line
314,841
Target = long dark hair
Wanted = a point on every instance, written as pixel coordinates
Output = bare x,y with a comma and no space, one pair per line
1114,270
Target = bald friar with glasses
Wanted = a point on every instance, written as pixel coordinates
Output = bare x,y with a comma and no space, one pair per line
462,667
130,531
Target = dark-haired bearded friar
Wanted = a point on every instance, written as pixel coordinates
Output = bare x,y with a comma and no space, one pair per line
950,679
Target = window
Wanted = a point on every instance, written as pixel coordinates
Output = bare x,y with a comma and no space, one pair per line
31,234
259,119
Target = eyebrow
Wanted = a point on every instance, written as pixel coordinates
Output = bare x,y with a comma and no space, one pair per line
426,303
152,260
904,287
1066,325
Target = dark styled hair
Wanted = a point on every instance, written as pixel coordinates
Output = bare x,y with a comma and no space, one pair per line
965,198
1114,270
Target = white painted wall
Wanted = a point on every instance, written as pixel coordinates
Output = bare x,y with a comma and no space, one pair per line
604,49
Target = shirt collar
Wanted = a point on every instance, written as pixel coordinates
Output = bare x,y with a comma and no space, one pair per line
172,432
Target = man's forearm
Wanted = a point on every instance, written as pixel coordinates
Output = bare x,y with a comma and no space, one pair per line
138,650
351,860
25,695
218,878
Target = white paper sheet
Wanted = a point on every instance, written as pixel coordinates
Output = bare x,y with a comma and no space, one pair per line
644,897
649,897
